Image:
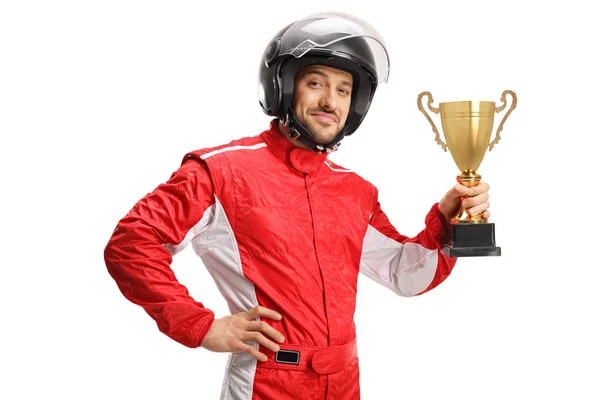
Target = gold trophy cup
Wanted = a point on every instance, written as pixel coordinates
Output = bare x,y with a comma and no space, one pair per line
467,127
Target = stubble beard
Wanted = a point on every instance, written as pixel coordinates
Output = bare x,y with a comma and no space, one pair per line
317,133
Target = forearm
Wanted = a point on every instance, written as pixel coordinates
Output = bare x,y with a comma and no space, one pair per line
407,265
140,266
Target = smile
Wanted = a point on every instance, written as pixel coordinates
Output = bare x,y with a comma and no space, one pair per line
325,117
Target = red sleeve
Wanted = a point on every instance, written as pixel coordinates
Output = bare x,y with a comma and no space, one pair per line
137,255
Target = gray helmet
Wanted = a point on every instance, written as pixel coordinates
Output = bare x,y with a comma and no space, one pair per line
335,40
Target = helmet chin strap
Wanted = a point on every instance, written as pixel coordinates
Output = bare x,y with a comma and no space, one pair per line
298,132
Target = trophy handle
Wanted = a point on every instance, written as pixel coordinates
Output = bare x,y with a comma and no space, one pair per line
433,110
500,109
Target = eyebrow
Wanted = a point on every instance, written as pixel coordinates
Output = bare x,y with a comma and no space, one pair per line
324,75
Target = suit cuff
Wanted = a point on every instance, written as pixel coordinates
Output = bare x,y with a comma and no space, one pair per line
439,228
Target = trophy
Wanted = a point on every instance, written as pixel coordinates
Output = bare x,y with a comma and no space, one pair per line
467,127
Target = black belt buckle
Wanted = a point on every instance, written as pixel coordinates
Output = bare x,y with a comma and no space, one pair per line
287,357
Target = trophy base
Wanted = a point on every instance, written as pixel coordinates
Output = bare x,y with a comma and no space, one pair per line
472,240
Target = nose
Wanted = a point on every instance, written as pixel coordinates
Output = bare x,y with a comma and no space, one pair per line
328,99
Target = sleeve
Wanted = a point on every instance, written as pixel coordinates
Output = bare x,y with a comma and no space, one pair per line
407,266
139,253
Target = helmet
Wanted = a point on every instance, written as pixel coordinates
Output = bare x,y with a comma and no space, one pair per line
335,40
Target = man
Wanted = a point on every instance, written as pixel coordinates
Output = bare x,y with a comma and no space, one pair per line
284,231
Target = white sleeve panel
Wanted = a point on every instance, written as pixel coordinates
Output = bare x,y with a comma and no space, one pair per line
406,269
200,227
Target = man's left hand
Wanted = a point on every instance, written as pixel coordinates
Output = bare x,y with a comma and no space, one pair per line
476,200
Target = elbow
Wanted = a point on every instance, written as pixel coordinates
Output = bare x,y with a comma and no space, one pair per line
409,287
413,277
111,253
108,254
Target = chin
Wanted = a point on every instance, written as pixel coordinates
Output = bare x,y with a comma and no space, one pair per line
324,138
320,134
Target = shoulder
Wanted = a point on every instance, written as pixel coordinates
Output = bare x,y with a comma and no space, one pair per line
337,169
234,149
346,173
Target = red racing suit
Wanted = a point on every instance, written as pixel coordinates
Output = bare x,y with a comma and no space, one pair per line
281,227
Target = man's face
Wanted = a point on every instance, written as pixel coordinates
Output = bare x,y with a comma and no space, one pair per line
322,101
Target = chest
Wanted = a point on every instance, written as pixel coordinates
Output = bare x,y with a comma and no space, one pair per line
276,205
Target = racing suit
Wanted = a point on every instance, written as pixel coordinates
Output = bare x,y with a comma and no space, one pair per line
281,227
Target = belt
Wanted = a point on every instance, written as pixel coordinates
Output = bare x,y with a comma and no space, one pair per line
322,359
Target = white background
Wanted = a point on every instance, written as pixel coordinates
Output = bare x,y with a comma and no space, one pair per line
100,100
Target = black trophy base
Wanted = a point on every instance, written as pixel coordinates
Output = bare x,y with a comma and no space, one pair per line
472,240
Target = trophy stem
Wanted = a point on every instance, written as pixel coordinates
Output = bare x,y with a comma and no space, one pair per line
468,178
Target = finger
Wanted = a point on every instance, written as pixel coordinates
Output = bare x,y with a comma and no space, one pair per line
476,200
267,329
486,214
482,187
261,339
479,208
460,190
260,311
252,351
251,313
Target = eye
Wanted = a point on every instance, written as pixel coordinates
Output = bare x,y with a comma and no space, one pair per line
314,83
345,92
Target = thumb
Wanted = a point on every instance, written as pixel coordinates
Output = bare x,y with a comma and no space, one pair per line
460,190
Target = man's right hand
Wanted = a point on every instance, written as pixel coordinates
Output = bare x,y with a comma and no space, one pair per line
229,334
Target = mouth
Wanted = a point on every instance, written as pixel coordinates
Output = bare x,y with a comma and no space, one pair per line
325,117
